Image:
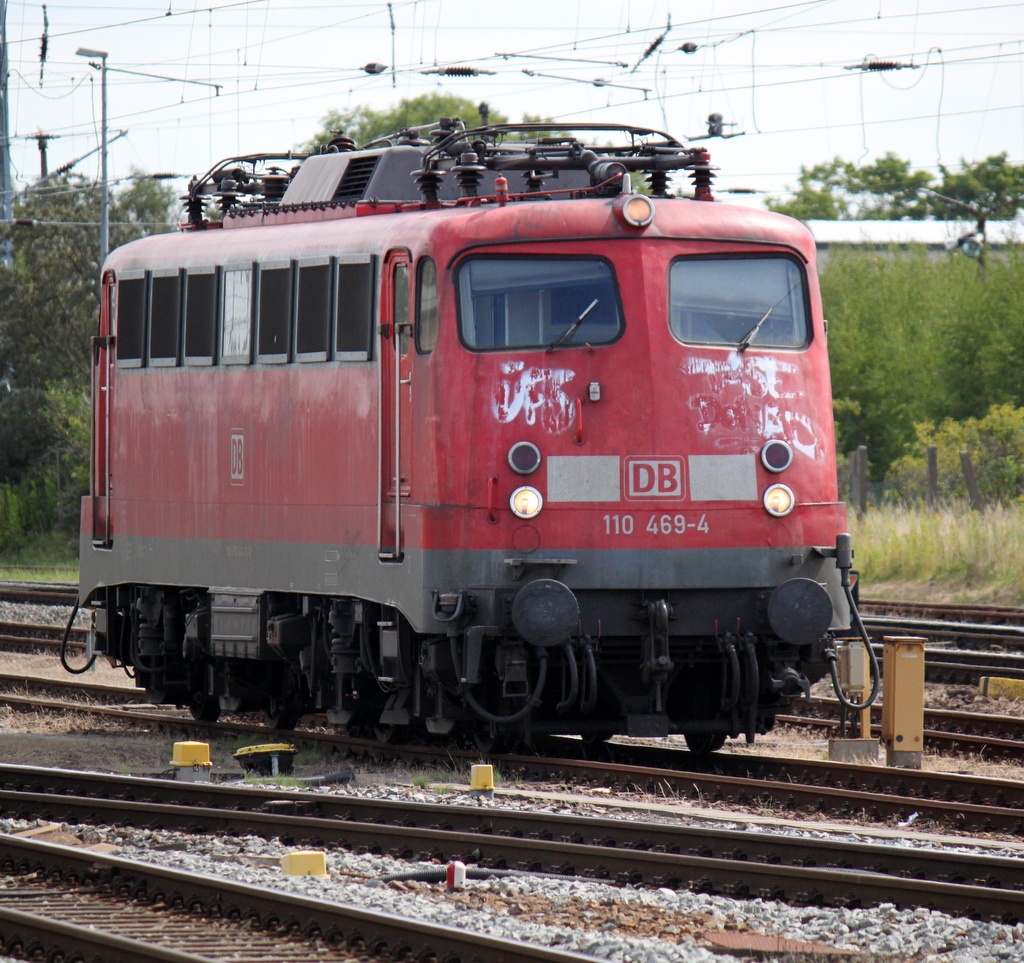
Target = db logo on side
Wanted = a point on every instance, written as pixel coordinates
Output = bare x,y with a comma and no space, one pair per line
654,478
237,456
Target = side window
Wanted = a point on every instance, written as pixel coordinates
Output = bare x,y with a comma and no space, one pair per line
400,280
274,311
200,316
354,308
236,315
313,310
426,307
164,317
131,319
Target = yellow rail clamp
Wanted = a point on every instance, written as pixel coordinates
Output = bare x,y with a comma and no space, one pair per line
269,760
997,688
305,862
191,754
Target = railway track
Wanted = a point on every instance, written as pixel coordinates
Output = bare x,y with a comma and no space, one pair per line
39,593
946,730
869,792
951,611
171,897
788,868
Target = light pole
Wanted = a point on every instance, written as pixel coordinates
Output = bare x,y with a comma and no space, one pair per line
104,189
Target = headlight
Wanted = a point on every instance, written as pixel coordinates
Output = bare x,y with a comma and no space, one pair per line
524,457
526,502
777,455
779,501
636,210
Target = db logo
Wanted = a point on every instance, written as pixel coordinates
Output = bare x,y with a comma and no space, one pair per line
237,456
654,478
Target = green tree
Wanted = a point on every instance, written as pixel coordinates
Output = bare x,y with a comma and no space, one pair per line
913,339
996,443
987,191
821,194
49,303
363,124
888,190
49,299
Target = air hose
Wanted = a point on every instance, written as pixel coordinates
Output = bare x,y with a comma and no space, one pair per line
64,646
844,562
533,701
472,872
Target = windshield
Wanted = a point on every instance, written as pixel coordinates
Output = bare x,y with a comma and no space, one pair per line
512,302
728,301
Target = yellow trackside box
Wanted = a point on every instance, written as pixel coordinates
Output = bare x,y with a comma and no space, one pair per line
305,862
903,701
190,754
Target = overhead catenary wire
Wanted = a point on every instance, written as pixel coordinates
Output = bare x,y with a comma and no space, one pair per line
761,73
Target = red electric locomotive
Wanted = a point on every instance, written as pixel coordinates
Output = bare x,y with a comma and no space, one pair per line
457,432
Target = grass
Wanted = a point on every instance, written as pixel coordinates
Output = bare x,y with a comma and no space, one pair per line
292,782
952,555
48,559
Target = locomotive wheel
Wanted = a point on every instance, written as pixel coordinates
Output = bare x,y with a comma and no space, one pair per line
283,718
702,743
386,732
487,742
206,709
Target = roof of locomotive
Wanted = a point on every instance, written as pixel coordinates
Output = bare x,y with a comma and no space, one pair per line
337,199
458,229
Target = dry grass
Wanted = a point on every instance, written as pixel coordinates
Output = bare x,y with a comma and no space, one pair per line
47,666
953,555
805,744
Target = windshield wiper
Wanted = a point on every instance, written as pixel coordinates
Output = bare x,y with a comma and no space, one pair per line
752,333
571,330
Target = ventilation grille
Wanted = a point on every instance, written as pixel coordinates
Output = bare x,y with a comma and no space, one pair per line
357,177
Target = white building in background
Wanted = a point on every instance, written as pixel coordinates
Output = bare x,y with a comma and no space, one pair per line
937,236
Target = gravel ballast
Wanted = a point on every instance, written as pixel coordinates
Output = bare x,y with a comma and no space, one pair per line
605,921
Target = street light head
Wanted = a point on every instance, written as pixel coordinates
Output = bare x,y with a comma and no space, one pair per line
973,245
87,52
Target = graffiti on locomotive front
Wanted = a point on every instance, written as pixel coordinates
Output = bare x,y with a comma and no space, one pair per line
534,395
736,399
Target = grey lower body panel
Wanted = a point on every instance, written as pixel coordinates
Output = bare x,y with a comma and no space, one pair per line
347,570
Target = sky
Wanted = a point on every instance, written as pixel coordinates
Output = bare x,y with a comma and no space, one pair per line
787,77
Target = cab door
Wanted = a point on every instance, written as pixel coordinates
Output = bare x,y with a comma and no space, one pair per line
396,356
102,388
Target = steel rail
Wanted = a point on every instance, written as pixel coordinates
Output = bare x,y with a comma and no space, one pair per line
38,593
966,667
936,740
91,690
1010,614
362,930
319,818
931,628
979,730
